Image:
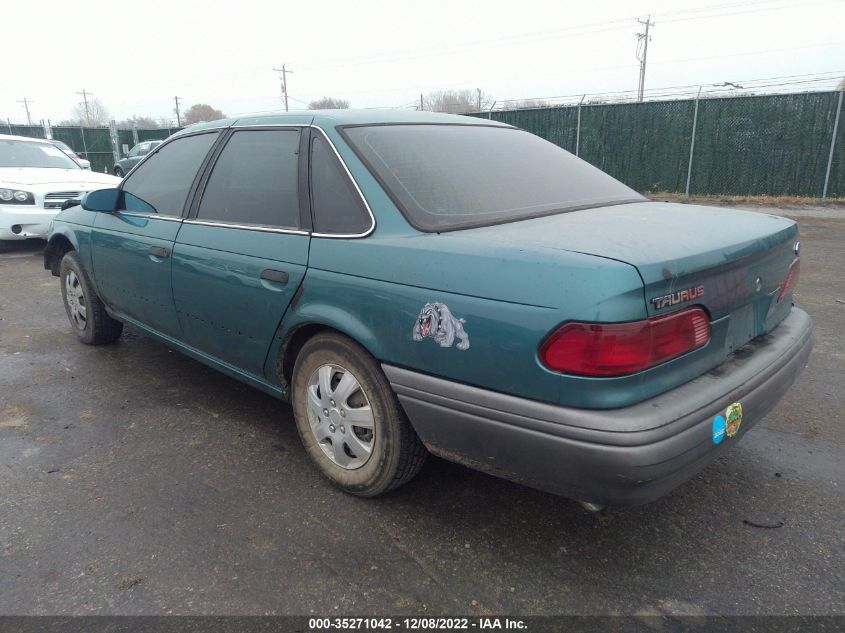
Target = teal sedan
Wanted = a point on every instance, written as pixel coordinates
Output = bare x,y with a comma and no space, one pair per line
418,283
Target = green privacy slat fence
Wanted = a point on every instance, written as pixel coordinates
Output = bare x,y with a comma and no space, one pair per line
755,145
93,143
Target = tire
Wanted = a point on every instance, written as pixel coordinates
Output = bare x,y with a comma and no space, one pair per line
395,453
86,313
119,172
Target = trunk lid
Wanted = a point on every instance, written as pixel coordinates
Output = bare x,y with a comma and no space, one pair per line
731,262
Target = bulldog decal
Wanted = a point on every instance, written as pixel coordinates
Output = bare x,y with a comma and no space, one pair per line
436,321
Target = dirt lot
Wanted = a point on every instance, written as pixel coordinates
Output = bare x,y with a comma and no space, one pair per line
136,481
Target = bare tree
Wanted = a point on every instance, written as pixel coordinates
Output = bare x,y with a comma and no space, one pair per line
456,101
328,103
141,122
527,104
201,112
94,114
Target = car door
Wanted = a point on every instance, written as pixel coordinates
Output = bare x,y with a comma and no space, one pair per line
131,247
241,255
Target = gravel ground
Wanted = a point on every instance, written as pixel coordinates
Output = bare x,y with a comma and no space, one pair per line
134,480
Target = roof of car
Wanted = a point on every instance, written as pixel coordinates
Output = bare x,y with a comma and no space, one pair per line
12,137
331,118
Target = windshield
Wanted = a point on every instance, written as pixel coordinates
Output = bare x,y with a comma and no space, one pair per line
33,154
446,177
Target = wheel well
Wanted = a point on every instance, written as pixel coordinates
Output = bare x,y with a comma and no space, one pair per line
291,347
56,249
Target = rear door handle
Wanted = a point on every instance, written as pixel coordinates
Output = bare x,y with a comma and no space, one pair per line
159,251
276,276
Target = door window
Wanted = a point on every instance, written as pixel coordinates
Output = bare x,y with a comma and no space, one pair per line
161,183
255,180
336,204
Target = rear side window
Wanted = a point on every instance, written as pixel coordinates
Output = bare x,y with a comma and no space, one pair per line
254,181
336,204
446,177
163,181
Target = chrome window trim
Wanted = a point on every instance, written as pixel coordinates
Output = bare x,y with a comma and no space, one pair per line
345,168
247,227
155,216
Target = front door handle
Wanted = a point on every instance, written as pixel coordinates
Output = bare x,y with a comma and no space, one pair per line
276,276
159,251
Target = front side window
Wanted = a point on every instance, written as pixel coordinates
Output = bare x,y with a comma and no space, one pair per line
255,180
336,205
447,177
143,149
15,153
162,182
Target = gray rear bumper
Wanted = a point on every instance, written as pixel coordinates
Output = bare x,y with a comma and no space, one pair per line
621,456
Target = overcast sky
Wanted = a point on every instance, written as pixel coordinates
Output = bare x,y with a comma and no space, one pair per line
136,55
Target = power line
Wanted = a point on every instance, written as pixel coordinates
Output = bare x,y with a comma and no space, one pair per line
588,28
756,10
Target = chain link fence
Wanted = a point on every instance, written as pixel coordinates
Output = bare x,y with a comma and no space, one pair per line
102,146
781,145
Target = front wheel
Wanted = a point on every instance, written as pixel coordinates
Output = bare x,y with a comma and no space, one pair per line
349,419
119,172
86,313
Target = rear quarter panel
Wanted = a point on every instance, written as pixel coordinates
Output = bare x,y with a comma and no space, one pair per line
373,290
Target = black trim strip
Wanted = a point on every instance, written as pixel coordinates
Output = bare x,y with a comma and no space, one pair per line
306,219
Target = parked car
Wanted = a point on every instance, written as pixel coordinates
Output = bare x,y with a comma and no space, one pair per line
135,155
36,177
416,282
83,162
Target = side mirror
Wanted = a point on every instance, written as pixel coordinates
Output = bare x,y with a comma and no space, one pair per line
104,200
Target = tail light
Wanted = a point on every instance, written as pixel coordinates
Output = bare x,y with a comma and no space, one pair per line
615,349
791,278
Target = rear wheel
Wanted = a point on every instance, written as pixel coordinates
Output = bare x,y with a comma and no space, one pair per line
86,313
118,172
349,419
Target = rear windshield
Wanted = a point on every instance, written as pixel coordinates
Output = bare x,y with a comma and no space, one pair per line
446,177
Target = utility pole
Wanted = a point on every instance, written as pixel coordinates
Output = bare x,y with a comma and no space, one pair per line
26,103
284,72
479,99
422,107
178,114
643,38
85,96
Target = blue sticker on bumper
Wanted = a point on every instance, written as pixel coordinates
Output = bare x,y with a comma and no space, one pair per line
718,429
